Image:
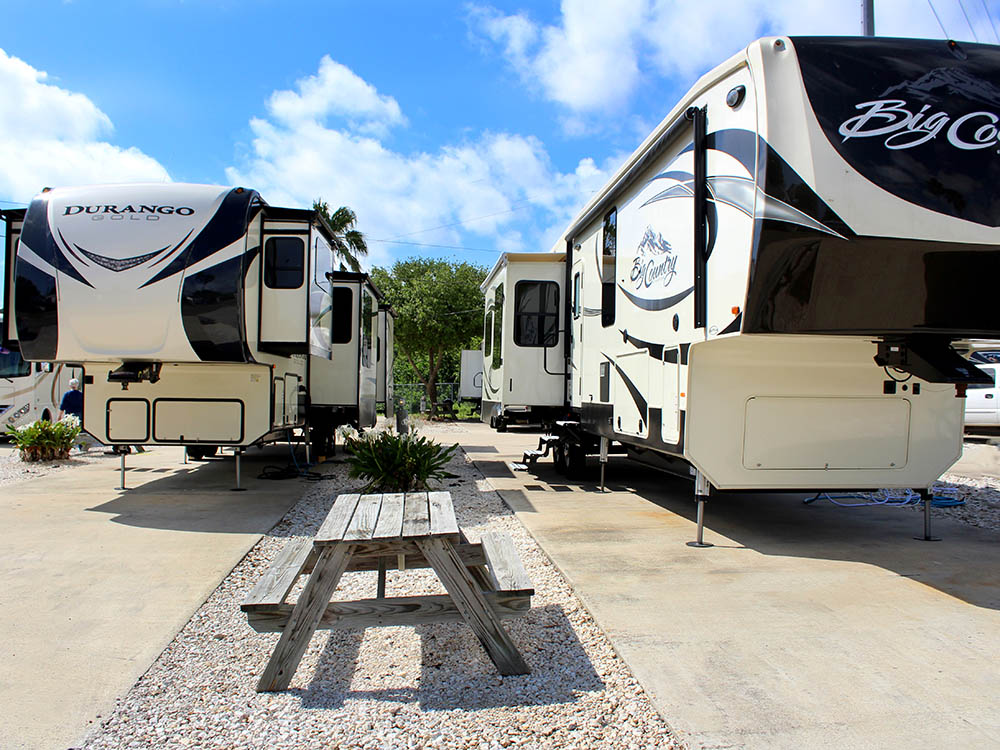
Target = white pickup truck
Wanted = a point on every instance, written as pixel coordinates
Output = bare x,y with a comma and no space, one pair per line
982,405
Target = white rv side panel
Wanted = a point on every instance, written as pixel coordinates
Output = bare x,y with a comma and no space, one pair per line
470,384
114,415
806,409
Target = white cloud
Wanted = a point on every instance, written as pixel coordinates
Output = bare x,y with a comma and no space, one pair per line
336,91
50,136
593,60
495,188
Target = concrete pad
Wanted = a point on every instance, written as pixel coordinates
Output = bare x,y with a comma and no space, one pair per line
95,582
806,626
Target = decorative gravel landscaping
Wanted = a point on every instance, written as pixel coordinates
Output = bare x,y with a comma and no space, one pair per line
401,687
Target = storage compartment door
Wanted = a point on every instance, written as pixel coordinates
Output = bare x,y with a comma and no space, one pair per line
214,421
670,418
128,420
292,399
283,295
826,433
278,409
631,393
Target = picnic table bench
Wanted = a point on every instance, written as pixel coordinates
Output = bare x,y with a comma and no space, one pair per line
486,582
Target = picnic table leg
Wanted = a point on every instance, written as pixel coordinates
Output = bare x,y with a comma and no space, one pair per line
472,605
305,617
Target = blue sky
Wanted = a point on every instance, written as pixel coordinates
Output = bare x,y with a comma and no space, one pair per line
478,125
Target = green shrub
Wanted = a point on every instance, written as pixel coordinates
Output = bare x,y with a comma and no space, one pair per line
397,463
45,441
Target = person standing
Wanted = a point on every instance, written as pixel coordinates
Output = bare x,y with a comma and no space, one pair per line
72,401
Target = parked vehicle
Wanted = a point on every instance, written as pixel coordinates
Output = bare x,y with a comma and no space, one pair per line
29,392
524,366
768,294
470,385
201,315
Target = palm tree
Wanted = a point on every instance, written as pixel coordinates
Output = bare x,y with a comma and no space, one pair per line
347,240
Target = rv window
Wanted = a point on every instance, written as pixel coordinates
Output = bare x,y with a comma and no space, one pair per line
487,335
366,329
12,366
577,289
322,262
284,259
341,315
608,268
497,327
536,313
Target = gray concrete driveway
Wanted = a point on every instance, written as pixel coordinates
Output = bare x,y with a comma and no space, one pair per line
805,626
95,582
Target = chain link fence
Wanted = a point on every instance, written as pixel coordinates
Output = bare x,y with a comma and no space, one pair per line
412,394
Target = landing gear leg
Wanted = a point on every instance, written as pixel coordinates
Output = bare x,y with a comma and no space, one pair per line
237,488
701,492
927,496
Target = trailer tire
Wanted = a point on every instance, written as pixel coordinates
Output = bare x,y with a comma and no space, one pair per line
576,461
501,425
198,452
559,458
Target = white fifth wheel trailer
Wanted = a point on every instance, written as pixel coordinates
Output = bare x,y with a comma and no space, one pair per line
201,315
385,392
470,377
524,370
770,291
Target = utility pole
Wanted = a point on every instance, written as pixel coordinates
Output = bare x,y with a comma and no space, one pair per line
868,17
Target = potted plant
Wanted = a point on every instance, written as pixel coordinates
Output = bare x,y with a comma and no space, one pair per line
45,441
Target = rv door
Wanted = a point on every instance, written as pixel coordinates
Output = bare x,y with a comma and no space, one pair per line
284,292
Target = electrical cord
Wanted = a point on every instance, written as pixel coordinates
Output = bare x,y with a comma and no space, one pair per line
292,470
890,498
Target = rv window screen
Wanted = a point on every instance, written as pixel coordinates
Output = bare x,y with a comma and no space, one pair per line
536,313
12,366
608,255
497,327
284,262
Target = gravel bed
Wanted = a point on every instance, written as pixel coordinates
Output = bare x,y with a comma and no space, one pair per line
981,495
430,686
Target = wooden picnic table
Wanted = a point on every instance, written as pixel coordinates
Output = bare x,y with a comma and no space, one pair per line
486,582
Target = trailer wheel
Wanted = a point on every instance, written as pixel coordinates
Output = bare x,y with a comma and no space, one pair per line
576,461
501,425
559,458
198,452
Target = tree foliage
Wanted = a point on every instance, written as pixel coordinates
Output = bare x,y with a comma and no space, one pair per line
347,240
439,311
